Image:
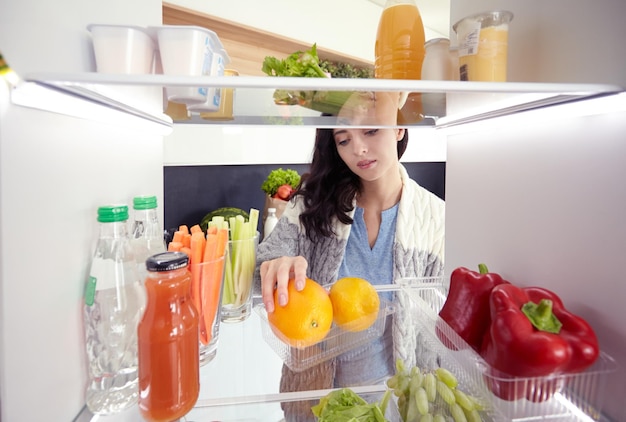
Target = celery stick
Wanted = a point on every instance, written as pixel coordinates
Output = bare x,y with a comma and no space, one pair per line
231,222
254,220
217,220
228,295
240,271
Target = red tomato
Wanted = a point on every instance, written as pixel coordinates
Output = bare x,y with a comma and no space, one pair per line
284,192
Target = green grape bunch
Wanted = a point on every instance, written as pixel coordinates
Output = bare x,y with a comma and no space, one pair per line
432,396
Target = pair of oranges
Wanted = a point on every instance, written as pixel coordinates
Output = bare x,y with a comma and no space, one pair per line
352,304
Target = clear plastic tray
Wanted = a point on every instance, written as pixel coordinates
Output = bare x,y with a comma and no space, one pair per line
336,342
566,397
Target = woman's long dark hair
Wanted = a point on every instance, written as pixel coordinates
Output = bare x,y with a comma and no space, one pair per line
329,188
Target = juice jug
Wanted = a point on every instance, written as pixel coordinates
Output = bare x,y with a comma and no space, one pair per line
399,51
169,367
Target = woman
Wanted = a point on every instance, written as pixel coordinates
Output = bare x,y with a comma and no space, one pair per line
356,213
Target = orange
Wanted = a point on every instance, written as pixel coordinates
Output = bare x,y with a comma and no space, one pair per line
306,318
355,303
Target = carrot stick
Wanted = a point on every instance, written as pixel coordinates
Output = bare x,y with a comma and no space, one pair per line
187,240
178,236
197,245
174,246
211,279
222,240
183,228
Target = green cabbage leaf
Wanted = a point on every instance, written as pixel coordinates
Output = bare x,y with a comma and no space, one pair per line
344,405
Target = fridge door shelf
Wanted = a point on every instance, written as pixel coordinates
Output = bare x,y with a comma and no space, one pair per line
445,103
565,397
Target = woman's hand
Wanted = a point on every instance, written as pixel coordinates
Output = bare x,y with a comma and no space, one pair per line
275,274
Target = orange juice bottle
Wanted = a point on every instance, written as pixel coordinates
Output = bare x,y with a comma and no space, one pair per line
168,361
399,50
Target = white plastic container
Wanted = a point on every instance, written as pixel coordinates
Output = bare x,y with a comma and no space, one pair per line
122,49
186,51
438,64
218,64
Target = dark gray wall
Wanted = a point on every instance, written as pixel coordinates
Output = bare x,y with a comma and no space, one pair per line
190,192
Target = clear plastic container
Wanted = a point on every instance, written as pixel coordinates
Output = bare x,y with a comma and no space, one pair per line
336,342
114,302
569,397
483,46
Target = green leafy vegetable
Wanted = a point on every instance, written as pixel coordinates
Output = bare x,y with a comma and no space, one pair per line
279,177
345,405
301,64
346,70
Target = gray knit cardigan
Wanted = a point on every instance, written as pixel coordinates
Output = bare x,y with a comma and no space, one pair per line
418,251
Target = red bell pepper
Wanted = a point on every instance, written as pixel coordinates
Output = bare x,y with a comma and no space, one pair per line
533,338
466,309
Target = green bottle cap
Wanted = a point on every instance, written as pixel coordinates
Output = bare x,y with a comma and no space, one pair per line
112,213
144,202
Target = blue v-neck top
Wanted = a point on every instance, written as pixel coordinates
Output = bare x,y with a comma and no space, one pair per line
373,264
372,362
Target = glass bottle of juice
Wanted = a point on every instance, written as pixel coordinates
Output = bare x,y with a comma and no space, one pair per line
169,361
114,301
399,51
146,234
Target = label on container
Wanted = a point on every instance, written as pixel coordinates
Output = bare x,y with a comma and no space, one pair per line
90,291
469,37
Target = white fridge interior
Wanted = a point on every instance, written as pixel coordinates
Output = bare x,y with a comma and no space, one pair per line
539,198
537,195
55,171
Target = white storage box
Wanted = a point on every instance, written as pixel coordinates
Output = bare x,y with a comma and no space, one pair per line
187,51
122,49
214,95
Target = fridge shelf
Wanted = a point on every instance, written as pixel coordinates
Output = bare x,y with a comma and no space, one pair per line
564,397
445,103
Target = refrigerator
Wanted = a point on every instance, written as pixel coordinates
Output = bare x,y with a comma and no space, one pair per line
537,195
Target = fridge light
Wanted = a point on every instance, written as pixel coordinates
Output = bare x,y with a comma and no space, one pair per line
63,101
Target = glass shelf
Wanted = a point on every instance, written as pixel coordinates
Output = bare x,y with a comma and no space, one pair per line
442,103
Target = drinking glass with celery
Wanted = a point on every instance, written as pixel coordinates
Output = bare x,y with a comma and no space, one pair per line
241,263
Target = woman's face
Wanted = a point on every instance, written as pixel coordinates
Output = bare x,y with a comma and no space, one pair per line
370,153
369,150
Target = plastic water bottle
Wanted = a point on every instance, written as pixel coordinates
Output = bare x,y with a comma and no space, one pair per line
146,234
114,302
270,222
